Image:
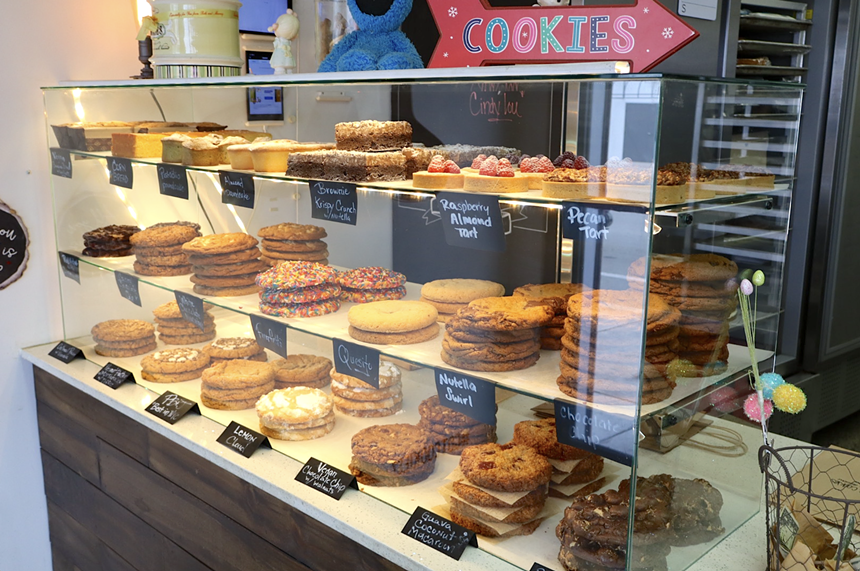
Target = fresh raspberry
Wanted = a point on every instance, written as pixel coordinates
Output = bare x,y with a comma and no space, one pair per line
479,160
544,165
528,165
505,169
580,163
437,164
489,166
566,164
451,167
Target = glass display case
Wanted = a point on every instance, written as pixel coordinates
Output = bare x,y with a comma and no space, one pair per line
613,264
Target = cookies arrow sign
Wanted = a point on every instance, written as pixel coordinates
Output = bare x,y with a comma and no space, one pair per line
471,33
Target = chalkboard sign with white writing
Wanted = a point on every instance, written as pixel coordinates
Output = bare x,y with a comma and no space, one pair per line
129,287
439,533
237,188
474,397
356,361
61,163
242,439
471,220
610,435
587,221
112,376
14,246
71,266
538,567
334,201
66,353
172,181
121,173
170,407
191,308
325,478
270,334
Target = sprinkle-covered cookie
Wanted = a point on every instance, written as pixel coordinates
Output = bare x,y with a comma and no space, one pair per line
371,277
291,275
313,309
300,295
368,295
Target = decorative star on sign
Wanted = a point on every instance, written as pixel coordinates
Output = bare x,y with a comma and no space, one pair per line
668,33
452,11
645,10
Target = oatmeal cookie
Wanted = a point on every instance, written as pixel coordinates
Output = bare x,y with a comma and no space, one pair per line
506,467
292,231
216,244
541,435
506,313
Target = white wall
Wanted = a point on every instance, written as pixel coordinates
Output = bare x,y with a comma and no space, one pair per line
43,42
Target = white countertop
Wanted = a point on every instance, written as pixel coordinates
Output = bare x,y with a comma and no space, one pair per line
357,515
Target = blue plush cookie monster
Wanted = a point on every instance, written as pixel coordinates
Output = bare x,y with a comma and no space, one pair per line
378,43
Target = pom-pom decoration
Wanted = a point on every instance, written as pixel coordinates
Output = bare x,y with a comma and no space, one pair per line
752,410
770,381
789,398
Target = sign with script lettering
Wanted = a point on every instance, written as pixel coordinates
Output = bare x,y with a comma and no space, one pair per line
471,33
270,334
325,478
66,353
610,435
237,188
242,439
191,308
113,376
356,361
471,220
170,407
14,246
474,397
61,163
334,201
172,181
129,287
71,266
121,173
441,534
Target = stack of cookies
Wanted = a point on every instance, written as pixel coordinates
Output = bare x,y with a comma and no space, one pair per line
299,289
302,371
236,384
224,265
703,288
556,296
602,356
173,329
495,334
174,365
354,397
296,413
593,532
363,285
452,431
451,295
229,348
290,241
572,468
393,322
123,337
392,455
112,241
502,490
158,249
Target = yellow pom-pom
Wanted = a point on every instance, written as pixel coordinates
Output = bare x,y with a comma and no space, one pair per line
789,398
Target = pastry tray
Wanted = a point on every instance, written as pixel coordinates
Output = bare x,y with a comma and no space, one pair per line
760,47
765,22
769,70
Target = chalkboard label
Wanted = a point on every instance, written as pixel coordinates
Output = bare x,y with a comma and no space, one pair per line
191,308
439,533
121,173
356,361
587,221
237,188
129,287
13,246
270,334
471,221
610,435
66,353
112,376
172,181
334,201
70,266
326,479
242,439
170,407
61,163
476,398
538,567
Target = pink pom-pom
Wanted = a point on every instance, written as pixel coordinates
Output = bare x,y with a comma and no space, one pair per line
752,410
725,399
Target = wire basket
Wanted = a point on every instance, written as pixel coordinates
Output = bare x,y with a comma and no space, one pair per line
824,482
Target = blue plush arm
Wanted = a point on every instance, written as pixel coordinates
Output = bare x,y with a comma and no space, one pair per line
329,64
403,46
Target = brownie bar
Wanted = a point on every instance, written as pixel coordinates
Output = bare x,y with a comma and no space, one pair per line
348,166
373,135
307,165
